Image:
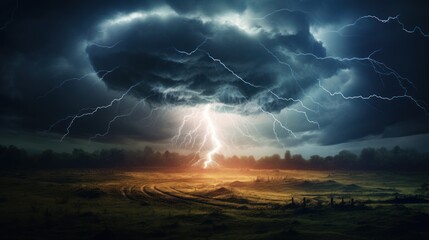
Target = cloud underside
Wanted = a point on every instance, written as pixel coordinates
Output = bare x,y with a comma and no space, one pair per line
191,61
241,54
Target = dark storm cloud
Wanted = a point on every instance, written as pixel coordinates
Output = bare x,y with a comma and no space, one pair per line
207,7
403,52
45,43
42,46
150,57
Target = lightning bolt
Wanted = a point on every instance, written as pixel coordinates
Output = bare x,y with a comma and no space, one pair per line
378,67
374,96
240,78
152,110
96,109
275,119
292,73
103,73
83,110
109,125
104,46
203,133
193,51
244,131
277,122
415,29
214,138
278,11
190,137
182,125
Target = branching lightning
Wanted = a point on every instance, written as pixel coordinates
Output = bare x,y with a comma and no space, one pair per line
104,46
278,11
198,129
201,134
292,73
52,126
379,68
416,29
95,110
275,119
129,113
213,136
372,96
103,73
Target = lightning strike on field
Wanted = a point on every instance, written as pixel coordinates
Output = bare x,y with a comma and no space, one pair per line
197,129
213,136
276,121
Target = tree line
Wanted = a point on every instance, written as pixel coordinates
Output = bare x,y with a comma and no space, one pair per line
395,159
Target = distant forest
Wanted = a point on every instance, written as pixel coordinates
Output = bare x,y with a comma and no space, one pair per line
396,159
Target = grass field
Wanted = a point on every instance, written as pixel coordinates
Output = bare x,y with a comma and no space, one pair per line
217,204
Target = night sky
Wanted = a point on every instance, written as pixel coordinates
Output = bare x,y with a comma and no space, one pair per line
311,76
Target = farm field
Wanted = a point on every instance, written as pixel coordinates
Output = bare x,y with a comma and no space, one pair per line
212,204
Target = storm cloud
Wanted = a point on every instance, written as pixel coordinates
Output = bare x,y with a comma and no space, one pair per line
290,58
200,59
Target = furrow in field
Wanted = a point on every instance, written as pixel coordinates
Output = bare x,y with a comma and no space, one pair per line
206,200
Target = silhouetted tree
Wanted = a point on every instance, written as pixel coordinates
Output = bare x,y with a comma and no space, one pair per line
317,162
345,160
369,159
288,155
